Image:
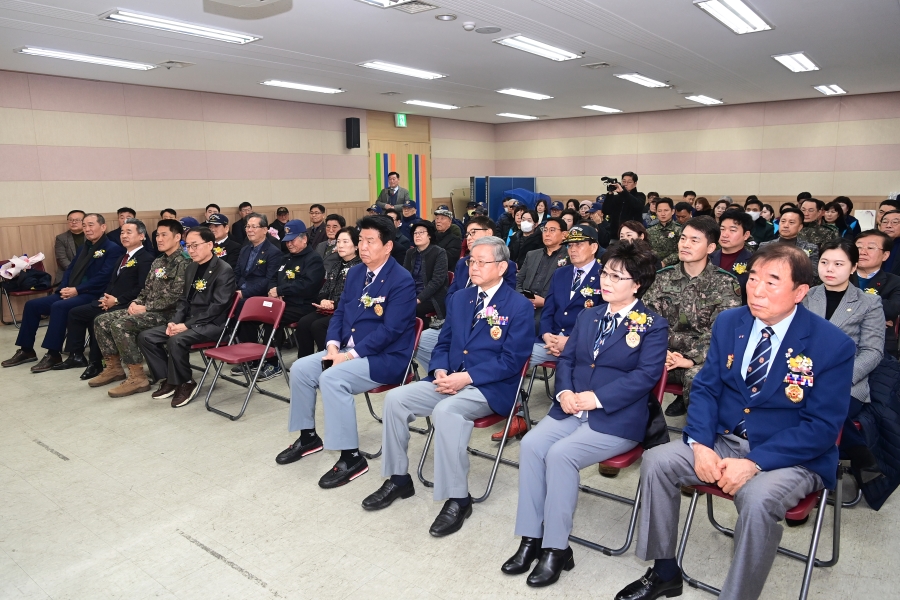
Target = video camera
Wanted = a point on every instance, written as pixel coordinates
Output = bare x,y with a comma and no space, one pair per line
611,183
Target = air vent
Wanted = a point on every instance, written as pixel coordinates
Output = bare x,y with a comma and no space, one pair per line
488,30
597,65
175,64
390,93
415,7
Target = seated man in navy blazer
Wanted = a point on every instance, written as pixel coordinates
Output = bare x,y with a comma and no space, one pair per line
369,343
765,413
475,371
83,282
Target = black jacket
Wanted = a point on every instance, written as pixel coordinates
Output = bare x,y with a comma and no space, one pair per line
401,246
230,250
316,235
335,278
762,231
238,233
204,304
255,281
520,245
303,285
451,245
125,285
624,206
434,276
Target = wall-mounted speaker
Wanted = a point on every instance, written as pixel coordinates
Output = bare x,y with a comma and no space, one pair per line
353,132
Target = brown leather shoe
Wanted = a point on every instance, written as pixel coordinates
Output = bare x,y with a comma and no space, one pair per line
608,472
46,363
516,429
20,358
136,383
165,390
184,393
111,372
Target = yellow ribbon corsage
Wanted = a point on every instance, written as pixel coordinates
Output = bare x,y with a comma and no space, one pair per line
800,370
871,291
99,253
739,268
130,263
289,274
639,321
200,285
219,251
261,261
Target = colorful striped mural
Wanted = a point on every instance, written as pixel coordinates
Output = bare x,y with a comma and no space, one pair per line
416,180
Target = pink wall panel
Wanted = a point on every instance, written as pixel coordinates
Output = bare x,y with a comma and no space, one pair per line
163,103
868,158
525,167
729,161
19,163
561,128
152,164
445,168
870,106
295,166
222,108
237,165
333,118
796,160
451,129
610,125
669,120
14,90
338,166
812,110
516,132
76,95
559,166
666,163
280,113
609,166
727,117
64,163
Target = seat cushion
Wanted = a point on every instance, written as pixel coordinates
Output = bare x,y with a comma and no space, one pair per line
389,386
239,353
203,345
801,511
488,421
626,459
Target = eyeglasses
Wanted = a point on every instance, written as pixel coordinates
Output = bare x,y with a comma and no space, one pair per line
253,227
545,229
74,220
195,246
420,232
470,262
471,232
315,213
891,222
614,277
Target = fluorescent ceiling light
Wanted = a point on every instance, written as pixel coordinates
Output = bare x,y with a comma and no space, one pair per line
604,109
831,90
703,100
520,42
133,18
640,79
88,58
515,116
734,14
796,62
400,70
302,86
431,104
524,94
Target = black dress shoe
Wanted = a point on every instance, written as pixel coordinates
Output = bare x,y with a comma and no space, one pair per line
677,408
76,360
451,518
46,363
796,522
549,567
386,494
342,473
19,358
649,587
520,562
92,371
298,450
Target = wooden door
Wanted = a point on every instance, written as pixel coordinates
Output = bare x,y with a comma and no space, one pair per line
412,160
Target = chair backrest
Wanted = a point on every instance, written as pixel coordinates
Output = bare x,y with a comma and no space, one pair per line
262,309
420,327
659,390
234,305
38,266
449,278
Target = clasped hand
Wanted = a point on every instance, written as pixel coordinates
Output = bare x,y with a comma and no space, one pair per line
555,344
573,403
175,328
334,355
674,360
450,384
730,474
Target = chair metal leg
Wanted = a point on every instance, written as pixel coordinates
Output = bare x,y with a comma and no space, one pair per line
499,458
679,557
546,383
12,313
629,536
814,544
428,439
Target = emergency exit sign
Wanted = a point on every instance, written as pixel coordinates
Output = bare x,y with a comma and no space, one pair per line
399,120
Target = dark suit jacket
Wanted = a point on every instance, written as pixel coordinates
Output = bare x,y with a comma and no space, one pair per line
743,259
401,247
452,246
560,312
238,233
620,376
387,339
116,236
99,270
206,310
461,277
64,248
520,245
125,285
230,252
434,275
781,433
256,280
402,197
528,271
303,286
886,285
493,364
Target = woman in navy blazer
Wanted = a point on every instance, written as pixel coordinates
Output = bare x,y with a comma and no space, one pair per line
609,366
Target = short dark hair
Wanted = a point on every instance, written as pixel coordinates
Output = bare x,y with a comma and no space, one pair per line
786,205
487,223
887,242
770,208
750,197
652,195
100,218
637,260
631,174
846,246
705,225
819,204
889,202
352,232
319,206
890,212
576,216
384,227
735,206
429,229
390,211
174,226
168,210
72,212
215,206
263,219
559,221
689,193
796,259
521,208
753,200
803,196
125,209
205,234
682,206
394,173
635,226
793,210
141,228
666,200
845,200
534,215
336,217
243,205
739,217
721,201
703,202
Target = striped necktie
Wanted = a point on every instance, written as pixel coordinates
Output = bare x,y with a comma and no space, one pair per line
576,283
369,277
479,306
756,372
607,325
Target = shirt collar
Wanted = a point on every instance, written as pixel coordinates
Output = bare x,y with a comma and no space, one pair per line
780,328
871,275
620,315
132,252
490,292
375,272
222,240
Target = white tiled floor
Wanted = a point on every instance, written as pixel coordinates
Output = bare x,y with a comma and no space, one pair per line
152,502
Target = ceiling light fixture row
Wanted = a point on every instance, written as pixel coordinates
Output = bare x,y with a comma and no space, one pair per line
132,18
830,90
735,15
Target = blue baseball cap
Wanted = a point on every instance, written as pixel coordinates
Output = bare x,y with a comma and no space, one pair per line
188,222
556,205
596,207
375,209
216,219
292,229
410,204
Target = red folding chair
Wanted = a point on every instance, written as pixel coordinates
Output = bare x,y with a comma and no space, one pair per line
409,376
261,310
483,422
626,459
216,344
676,389
817,500
8,296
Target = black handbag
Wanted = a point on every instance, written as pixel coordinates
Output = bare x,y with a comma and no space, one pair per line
657,432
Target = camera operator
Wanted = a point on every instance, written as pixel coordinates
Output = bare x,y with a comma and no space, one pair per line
623,201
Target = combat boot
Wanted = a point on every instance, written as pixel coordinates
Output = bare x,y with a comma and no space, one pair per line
112,372
136,383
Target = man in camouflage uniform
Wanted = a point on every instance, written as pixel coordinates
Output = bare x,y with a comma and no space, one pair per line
815,231
690,296
117,332
664,235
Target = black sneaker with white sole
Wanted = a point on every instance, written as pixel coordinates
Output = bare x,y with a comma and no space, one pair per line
269,371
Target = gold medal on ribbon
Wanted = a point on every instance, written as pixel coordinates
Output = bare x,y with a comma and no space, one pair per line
378,310
588,303
794,393
633,339
495,332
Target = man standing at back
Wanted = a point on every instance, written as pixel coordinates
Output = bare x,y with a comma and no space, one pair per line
315,233
393,196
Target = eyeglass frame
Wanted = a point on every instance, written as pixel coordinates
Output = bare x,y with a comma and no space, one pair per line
614,277
481,263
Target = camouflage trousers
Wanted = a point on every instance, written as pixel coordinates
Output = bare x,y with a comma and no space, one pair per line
685,377
117,333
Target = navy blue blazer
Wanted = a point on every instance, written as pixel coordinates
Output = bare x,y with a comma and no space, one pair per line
386,339
256,281
494,365
560,312
743,258
781,433
461,276
99,270
621,377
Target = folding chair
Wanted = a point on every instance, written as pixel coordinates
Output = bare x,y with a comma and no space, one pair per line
817,500
409,376
546,379
482,423
676,389
216,344
38,266
258,309
626,459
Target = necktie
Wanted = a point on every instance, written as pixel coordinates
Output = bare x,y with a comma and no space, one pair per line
370,276
479,306
577,282
757,371
123,263
607,325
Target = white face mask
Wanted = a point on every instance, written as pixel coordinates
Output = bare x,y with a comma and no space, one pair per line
753,214
527,226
